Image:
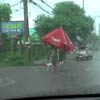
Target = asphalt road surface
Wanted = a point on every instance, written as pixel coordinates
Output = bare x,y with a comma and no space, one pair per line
72,77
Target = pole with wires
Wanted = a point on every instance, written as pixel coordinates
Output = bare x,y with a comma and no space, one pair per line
26,27
46,4
83,4
39,6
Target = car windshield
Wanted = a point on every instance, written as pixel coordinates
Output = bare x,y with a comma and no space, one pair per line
39,47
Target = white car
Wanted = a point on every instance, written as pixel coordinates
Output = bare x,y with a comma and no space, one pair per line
84,54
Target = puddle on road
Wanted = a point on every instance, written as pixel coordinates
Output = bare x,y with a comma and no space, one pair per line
5,81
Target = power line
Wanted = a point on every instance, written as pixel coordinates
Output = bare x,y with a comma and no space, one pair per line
16,3
17,10
39,6
46,4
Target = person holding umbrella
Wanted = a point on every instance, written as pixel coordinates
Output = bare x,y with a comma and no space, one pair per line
53,58
57,39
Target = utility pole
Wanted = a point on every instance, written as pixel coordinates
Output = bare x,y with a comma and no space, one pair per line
26,28
83,4
95,17
99,29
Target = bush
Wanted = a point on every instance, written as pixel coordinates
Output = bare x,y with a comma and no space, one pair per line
41,52
2,57
14,60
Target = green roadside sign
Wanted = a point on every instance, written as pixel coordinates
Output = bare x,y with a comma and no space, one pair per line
31,31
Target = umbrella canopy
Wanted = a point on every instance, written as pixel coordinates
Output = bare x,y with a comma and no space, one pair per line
58,38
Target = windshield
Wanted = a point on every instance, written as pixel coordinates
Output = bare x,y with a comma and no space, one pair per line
39,47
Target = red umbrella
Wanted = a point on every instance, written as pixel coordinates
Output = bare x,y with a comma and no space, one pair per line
59,39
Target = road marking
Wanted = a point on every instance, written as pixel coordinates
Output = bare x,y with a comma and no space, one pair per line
9,82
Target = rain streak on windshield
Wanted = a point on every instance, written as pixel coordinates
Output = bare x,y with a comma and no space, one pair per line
49,47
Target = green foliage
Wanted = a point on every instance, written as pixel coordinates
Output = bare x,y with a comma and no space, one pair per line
93,38
68,8
16,59
44,24
2,57
5,11
35,38
40,52
5,47
37,52
68,15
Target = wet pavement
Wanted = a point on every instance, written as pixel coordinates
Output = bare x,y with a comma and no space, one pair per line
72,77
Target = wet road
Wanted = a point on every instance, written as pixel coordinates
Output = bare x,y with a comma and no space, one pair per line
71,78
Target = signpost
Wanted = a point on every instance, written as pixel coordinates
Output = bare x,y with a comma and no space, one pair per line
13,27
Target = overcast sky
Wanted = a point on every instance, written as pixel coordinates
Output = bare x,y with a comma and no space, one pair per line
92,8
